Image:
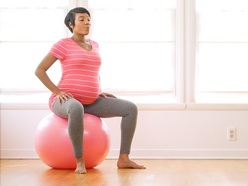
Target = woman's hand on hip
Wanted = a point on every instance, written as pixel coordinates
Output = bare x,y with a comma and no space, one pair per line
63,96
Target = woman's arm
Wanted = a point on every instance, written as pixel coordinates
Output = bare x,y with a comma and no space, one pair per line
40,72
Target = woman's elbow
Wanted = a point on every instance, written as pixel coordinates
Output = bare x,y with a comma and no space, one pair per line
38,72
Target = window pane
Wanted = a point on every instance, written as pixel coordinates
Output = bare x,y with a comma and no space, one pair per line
224,26
137,42
222,57
132,4
27,31
223,67
138,66
17,68
133,25
31,24
33,4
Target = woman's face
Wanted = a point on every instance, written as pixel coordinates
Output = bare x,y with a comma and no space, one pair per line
82,24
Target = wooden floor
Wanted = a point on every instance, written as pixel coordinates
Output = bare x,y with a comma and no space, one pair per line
158,173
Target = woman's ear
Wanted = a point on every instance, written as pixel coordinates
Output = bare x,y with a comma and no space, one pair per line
70,25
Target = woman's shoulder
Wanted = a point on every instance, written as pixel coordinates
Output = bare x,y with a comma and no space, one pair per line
65,40
64,43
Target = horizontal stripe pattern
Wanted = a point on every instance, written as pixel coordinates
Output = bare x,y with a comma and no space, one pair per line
80,70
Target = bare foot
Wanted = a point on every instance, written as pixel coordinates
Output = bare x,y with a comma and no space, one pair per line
80,166
125,163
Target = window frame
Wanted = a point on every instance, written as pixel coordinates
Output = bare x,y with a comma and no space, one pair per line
186,95
178,63
193,95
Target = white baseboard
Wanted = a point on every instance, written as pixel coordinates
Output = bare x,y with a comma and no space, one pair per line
147,154
18,154
185,154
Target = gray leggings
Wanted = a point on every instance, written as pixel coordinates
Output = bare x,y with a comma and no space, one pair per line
104,108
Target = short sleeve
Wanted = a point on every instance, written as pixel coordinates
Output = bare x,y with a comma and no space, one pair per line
59,49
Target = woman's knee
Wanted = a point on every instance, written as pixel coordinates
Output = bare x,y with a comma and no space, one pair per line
75,107
132,108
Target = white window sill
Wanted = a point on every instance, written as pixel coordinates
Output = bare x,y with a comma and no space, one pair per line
217,106
141,106
39,101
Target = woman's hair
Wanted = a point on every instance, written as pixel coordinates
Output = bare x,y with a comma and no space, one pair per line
70,17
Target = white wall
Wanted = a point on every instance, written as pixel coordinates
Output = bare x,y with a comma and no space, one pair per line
161,133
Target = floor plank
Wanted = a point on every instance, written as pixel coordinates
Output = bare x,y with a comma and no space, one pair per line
158,173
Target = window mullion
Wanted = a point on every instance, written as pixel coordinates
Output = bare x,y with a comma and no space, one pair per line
190,51
179,51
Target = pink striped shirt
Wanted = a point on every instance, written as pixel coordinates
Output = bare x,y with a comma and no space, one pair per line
80,70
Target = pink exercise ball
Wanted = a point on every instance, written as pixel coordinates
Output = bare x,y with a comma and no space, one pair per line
54,147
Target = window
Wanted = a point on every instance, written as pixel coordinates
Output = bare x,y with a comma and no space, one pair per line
173,51
222,58
137,44
137,41
27,31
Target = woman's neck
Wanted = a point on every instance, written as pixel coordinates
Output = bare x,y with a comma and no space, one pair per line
82,42
79,39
